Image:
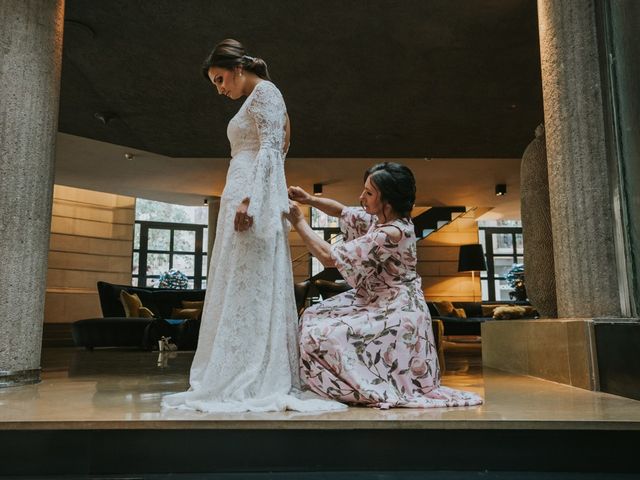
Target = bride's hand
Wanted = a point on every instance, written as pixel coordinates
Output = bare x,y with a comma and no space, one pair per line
297,194
242,221
295,215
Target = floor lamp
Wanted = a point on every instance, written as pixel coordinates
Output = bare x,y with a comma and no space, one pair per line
471,259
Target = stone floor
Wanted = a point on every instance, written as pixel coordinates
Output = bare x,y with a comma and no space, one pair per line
123,388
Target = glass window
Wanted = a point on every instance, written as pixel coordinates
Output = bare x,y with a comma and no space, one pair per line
135,264
159,239
502,265
157,263
184,241
519,243
503,246
502,243
136,236
184,263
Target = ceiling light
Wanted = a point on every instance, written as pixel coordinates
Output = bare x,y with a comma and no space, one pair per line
129,156
317,189
501,189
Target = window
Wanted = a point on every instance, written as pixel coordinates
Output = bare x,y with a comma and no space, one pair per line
161,246
327,228
503,247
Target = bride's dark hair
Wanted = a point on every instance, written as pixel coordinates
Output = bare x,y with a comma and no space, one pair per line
230,53
396,185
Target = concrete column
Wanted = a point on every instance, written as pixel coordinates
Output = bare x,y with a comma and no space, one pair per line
30,61
214,209
580,193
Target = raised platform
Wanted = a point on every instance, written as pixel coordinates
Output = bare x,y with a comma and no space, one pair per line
99,413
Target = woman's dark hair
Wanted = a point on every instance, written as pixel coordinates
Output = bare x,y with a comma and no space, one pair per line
229,54
396,184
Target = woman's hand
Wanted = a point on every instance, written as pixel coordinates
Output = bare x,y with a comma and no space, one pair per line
295,215
242,222
297,194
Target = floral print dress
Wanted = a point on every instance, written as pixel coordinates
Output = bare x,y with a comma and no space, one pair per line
373,345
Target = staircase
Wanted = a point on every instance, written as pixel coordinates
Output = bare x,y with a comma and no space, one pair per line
434,219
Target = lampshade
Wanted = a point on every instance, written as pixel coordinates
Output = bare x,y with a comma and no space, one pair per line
471,258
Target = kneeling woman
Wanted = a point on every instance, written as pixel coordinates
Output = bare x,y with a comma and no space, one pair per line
372,345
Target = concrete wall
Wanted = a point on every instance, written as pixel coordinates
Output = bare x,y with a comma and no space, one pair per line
91,240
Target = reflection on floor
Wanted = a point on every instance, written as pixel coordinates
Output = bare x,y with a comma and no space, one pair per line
123,389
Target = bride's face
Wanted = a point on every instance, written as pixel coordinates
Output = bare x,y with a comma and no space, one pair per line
227,82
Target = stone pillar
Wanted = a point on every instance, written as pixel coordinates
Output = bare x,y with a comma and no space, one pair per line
214,209
580,193
30,61
536,227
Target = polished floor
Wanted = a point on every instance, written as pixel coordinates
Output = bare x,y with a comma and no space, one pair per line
114,389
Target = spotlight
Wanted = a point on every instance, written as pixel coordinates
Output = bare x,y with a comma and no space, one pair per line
129,156
317,189
206,202
501,189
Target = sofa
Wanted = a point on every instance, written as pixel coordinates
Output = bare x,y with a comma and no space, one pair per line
475,317
115,329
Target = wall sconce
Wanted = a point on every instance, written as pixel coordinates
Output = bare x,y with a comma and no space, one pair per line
317,189
501,189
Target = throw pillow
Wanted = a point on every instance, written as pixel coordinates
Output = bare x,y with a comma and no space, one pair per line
193,304
506,313
144,312
445,308
487,310
186,313
131,303
459,312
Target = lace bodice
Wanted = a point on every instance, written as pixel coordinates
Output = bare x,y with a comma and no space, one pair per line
260,122
257,136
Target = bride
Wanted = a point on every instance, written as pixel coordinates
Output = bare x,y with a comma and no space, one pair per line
247,355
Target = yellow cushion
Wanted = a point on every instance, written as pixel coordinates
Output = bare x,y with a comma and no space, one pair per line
193,304
459,312
190,313
131,303
144,312
444,307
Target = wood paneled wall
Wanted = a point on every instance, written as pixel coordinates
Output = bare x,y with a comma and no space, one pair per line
91,240
301,269
438,263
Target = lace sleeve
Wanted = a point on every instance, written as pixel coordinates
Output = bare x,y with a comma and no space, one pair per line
268,191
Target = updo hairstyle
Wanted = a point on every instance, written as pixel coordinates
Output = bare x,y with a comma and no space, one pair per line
229,54
396,184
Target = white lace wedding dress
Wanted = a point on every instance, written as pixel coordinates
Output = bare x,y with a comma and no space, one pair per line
247,356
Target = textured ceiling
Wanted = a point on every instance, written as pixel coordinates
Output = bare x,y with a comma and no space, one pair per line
361,78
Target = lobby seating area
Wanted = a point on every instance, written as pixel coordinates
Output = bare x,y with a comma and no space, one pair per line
171,317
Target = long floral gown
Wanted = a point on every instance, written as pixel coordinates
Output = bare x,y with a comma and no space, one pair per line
374,345
247,355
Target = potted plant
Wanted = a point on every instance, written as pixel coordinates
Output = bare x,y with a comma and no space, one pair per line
515,277
173,279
